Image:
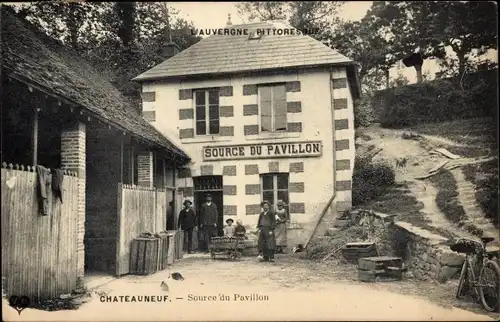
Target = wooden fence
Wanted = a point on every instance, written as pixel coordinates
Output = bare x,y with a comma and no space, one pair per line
139,210
39,253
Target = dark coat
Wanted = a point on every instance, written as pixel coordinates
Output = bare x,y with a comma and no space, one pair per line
267,220
209,214
187,219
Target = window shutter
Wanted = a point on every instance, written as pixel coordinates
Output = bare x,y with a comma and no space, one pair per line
265,109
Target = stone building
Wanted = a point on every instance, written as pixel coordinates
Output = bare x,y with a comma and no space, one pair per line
264,113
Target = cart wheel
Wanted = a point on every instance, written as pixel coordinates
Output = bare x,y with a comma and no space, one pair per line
212,254
237,255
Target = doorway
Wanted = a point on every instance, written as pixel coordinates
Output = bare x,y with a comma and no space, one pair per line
212,185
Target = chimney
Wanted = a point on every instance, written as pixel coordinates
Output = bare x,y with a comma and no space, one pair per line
169,50
229,23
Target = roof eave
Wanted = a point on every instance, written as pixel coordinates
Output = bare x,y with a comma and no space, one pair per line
21,78
144,79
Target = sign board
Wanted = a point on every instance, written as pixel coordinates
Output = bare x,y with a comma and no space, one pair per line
263,151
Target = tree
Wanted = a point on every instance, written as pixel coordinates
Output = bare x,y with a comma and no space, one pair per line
409,27
61,20
318,16
263,10
364,42
469,28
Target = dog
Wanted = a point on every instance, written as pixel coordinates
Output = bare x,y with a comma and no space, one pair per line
401,163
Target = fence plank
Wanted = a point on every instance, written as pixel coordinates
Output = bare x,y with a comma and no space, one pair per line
140,210
39,251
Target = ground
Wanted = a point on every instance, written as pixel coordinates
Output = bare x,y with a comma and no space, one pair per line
297,289
421,201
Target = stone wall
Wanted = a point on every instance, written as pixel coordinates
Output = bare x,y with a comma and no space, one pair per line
426,255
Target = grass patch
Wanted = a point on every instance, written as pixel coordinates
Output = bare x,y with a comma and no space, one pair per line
485,177
480,134
399,201
446,198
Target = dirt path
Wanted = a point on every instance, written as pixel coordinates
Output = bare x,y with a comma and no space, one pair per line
419,162
290,289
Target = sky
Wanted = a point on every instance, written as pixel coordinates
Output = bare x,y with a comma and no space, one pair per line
208,15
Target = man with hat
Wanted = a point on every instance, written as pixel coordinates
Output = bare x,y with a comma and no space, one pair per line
266,225
187,222
208,220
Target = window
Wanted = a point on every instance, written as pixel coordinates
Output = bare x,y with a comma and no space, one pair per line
275,187
207,111
272,108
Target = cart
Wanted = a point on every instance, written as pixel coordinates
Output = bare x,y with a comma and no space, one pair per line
231,247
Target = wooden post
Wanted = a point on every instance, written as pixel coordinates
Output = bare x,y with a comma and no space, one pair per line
122,151
132,165
35,137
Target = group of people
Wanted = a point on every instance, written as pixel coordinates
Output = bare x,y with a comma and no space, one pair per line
271,227
272,230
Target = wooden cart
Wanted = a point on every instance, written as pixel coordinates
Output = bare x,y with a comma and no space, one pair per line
231,247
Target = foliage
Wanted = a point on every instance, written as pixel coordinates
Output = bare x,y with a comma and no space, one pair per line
436,101
320,16
469,28
121,39
446,197
485,178
363,113
370,180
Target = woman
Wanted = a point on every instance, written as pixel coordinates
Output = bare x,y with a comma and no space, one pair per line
280,232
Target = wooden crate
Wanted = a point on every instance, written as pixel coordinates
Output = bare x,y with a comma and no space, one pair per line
382,267
354,251
144,256
180,244
163,251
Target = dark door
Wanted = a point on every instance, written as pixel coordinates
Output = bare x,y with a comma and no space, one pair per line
199,199
212,185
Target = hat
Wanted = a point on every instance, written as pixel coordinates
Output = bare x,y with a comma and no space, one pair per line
264,202
229,220
208,195
187,201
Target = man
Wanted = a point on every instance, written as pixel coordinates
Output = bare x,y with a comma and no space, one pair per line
187,222
208,220
170,216
266,225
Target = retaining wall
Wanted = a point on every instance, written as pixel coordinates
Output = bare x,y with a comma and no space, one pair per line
426,255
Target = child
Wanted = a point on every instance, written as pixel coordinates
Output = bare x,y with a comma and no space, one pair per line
239,230
229,229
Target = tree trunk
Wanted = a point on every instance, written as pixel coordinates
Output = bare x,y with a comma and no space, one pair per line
418,68
386,71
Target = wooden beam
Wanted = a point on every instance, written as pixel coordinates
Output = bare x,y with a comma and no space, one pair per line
35,136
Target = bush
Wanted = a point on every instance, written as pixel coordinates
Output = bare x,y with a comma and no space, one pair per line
436,101
363,112
370,180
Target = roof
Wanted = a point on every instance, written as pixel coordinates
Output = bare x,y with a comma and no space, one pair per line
33,57
218,54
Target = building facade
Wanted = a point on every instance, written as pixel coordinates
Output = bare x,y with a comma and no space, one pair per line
260,133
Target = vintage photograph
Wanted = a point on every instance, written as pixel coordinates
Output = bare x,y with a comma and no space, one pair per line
249,161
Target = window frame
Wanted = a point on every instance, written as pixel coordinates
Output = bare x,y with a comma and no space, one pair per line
207,119
275,189
273,111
